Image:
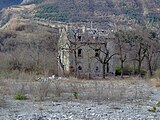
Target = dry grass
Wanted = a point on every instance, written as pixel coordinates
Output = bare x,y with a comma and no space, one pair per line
114,89
102,90
2,94
39,90
2,101
155,82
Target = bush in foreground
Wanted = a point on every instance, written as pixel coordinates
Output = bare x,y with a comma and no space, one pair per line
20,96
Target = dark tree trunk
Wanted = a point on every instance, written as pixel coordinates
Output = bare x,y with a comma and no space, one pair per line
139,68
122,69
104,71
75,55
150,68
107,67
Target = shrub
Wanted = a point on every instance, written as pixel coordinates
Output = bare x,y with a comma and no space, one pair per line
129,70
153,109
143,72
74,89
118,70
20,96
75,94
57,88
40,89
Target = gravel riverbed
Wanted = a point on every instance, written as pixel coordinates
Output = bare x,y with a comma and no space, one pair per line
83,110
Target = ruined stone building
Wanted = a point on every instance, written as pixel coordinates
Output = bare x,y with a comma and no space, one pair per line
78,51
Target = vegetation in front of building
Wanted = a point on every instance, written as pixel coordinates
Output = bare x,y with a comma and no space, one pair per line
129,70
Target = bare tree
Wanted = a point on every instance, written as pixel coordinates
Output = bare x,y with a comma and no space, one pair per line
74,47
153,48
138,48
104,54
122,48
71,43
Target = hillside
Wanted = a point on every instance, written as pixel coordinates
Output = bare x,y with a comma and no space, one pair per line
100,12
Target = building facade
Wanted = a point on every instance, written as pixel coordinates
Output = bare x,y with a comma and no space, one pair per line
86,53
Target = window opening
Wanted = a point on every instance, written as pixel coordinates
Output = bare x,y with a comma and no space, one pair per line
96,52
79,52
